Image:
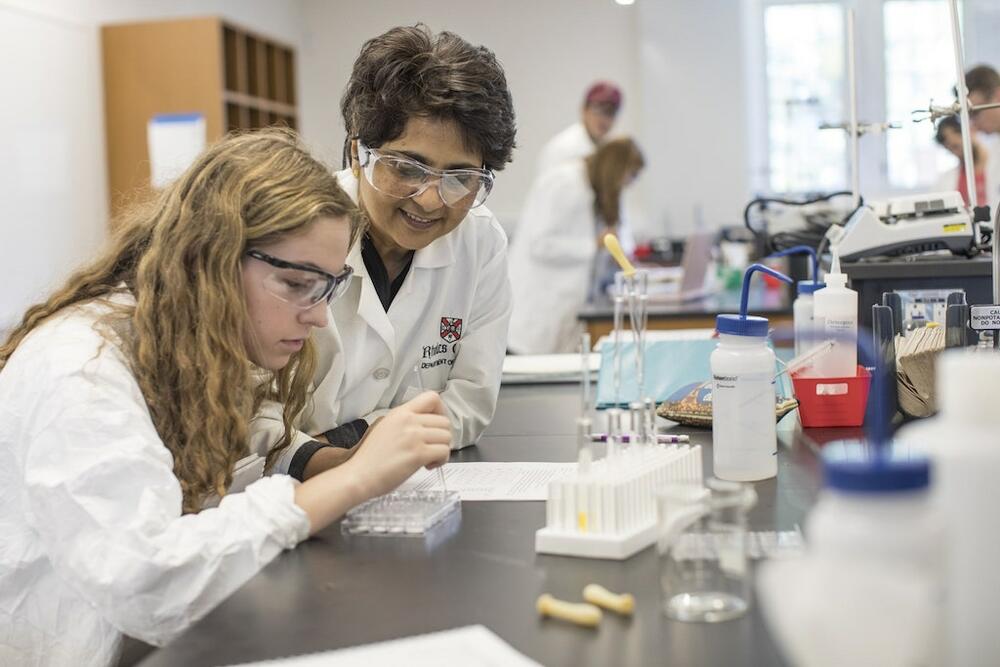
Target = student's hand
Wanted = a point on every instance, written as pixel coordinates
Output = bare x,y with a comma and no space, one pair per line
411,436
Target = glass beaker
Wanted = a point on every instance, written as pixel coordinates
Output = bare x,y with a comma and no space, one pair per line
702,549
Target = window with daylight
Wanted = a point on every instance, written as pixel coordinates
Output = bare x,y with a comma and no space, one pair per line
919,66
805,73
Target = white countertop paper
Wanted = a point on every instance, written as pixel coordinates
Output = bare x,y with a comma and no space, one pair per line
491,481
471,646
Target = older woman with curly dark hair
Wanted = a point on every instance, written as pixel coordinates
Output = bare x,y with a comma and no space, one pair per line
429,120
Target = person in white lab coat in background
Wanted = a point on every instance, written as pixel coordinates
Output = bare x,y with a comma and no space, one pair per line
601,104
126,398
557,258
429,119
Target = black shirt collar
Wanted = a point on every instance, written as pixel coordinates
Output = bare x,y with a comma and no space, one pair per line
385,289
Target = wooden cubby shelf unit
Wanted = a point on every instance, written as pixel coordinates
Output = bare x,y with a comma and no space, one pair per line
237,78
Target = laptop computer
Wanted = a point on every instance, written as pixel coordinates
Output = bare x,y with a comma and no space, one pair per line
690,280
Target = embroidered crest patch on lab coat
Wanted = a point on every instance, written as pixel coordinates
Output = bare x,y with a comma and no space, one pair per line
451,329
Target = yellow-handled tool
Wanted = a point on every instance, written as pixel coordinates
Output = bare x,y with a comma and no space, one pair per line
579,613
615,248
598,595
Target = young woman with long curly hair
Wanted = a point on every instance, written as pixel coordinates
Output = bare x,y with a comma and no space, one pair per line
126,399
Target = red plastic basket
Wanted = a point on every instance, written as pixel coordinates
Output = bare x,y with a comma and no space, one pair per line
832,401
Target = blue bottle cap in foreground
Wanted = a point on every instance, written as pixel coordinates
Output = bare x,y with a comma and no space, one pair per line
857,469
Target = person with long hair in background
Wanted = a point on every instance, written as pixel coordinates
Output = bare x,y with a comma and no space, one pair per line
557,260
130,498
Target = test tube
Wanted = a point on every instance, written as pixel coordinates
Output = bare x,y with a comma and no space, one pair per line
638,302
583,424
650,406
614,432
616,367
440,470
585,374
637,419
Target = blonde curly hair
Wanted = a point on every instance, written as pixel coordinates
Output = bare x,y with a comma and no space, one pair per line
180,257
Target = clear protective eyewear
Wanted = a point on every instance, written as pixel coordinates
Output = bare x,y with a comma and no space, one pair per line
300,285
402,178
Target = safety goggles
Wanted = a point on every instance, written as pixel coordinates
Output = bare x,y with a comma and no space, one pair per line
300,285
402,178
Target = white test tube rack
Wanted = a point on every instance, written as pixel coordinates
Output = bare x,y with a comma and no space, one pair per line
610,510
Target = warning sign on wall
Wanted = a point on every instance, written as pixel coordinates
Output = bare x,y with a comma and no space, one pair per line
985,317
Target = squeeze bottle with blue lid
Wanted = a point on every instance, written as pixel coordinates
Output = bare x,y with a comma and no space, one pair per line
835,308
869,589
802,308
744,441
963,440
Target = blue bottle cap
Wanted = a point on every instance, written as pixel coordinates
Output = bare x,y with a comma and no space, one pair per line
738,325
808,286
743,325
855,469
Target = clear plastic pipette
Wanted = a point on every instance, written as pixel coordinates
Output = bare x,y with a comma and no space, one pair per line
440,470
805,359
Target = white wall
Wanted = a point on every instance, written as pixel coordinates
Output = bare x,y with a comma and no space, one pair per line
693,114
52,179
551,50
53,171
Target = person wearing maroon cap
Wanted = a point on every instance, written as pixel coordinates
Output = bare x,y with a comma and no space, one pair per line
600,107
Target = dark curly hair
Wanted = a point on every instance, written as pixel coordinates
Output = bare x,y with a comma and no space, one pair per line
982,79
409,72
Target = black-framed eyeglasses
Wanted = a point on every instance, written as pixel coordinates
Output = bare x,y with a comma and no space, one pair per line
402,178
300,285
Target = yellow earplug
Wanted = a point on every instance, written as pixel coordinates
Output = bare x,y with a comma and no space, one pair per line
621,604
615,248
581,614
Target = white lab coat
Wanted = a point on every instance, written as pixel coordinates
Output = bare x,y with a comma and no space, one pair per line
94,543
552,261
367,356
569,145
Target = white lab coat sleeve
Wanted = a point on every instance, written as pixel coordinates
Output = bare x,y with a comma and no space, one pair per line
106,506
470,395
372,417
266,430
558,219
